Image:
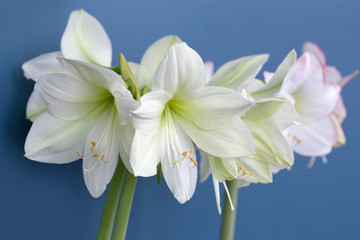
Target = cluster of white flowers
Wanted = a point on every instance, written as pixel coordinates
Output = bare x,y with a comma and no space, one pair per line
244,129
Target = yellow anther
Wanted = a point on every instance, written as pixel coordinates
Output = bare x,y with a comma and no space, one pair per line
240,167
175,162
92,150
252,173
194,161
102,157
79,153
191,150
93,143
245,172
298,141
95,155
184,154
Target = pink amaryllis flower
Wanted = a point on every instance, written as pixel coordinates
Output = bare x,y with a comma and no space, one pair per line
332,76
314,89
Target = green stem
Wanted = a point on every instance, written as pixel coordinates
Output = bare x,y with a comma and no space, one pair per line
124,207
107,220
229,216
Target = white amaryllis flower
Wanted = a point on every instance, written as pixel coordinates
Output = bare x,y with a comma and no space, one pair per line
84,39
266,121
314,100
87,117
180,110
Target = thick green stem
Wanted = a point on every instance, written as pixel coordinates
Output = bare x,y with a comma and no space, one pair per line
111,204
124,207
229,216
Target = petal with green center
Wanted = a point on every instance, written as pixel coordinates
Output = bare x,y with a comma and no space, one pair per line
85,39
274,85
43,64
226,138
258,165
264,108
235,73
178,159
180,72
211,103
152,58
56,141
223,168
101,152
68,98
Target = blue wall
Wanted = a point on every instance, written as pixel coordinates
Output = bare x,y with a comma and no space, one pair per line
44,201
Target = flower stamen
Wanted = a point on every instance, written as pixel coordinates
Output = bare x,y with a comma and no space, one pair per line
186,155
93,155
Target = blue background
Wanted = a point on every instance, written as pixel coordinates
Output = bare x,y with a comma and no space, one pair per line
44,201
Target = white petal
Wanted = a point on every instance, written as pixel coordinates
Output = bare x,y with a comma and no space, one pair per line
235,73
66,97
147,117
258,165
152,58
227,138
217,194
43,64
126,137
209,70
273,86
99,169
35,106
180,72
274,149
212,103
85,39
264,108
205,169
223,168
313,139
315,50
92,74
56,141
144,156
180,176
105,82
242,183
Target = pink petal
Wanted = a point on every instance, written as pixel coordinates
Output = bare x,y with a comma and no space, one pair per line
316,51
